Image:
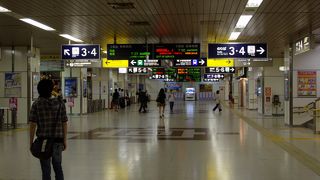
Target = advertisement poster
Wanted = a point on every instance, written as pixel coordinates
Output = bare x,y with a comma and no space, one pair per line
307,83
205,87
13,103
70,87
267,101
12,84
84,88
35,81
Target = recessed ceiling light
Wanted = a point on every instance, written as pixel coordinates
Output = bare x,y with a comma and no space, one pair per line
254,3
243,21
2,9
37,24
70,37
234,36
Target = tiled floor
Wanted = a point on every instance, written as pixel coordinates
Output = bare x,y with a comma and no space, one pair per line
196,144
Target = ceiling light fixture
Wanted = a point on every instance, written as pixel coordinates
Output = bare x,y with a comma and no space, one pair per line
234,36
37,24
70,37
243,21
254,3
2,9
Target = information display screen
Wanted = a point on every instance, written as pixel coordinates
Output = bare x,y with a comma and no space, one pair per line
176,51
127,51
163,73
188,75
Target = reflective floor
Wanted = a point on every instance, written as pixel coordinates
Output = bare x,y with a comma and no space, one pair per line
195,144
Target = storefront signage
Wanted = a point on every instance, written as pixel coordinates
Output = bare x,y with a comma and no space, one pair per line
213,76
114,63
190,62
302,45
80,51
145,63
237,50
220,63
230,70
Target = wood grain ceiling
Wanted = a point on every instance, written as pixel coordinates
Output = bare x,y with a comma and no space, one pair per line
276,22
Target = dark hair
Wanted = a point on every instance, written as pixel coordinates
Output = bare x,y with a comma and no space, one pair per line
161,92
45,88
218,92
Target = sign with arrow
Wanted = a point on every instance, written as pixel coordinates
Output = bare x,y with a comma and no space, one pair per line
220,63
106,63
213,76
145,63
225,70
80,51
238,50
190,62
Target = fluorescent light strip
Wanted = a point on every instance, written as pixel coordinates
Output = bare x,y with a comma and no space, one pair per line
37,24
70,37
2,9
254,3
234,36
243,21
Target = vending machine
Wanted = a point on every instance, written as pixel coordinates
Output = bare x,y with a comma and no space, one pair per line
190,94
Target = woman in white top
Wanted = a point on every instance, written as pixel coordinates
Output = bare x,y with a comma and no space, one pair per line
171,99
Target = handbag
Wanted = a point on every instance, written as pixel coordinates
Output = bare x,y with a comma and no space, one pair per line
42,148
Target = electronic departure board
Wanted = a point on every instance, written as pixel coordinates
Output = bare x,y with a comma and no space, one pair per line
188,74
154,51
127,51
176,51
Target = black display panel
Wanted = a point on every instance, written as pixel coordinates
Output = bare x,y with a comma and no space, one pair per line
127,51
163,73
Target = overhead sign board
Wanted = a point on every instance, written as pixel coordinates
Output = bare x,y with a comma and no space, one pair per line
128,51
213,76
106,63
190,62
137,70
80,51
220,70
145,63
176,51
220,63
302,45
163,73
237,50
188,75
211,80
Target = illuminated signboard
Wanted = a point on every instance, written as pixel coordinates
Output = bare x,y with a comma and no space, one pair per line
237,50
163,73
213,76
136,70
188,74
302,45
80,51
106,63
145,63
190,62
220,70
176,51
211,80
220,63
127,51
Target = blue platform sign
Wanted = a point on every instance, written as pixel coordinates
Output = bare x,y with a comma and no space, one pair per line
80,51
237,50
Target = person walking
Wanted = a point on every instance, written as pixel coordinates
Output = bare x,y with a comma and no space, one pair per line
161,102
143,101
171,98
41,118
115,100
217,100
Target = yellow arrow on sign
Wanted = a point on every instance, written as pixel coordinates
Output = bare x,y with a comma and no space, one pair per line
114,63
220,63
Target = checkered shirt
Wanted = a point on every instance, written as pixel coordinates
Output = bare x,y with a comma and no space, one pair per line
44,112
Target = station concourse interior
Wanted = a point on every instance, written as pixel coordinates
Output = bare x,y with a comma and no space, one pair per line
257,61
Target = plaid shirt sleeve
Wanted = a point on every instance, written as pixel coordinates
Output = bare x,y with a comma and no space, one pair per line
33,116
63,114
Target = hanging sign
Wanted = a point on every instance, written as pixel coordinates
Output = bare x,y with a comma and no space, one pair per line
80,51
237,50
